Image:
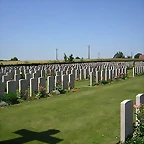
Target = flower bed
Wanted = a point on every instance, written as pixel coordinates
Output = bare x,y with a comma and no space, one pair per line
132,132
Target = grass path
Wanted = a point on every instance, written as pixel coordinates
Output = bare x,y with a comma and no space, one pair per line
88,116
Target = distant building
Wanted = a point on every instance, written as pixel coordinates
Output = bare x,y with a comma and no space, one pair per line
141,56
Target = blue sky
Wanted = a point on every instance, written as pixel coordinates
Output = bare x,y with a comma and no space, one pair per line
33,29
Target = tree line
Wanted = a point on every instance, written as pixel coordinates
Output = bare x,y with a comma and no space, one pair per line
121,55
71,58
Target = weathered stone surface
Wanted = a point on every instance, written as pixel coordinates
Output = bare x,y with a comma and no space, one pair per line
17,77
97,77
2,87
50,84
23,87
58,79
65,80
11,87
126,119
71,81
33,86
5,78
42,82
92,78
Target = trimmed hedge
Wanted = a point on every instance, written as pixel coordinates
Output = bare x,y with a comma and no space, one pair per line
28,63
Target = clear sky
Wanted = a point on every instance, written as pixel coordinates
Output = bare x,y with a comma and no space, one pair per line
33,29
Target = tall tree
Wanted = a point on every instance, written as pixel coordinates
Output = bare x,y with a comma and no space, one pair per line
137,55
71,58
68,59
65,57
119,55
14,59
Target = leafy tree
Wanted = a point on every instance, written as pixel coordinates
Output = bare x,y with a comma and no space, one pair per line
14,59
77,57
65,57
119,55
137,55
70,58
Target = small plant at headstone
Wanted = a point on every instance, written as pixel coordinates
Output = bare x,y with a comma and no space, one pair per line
19,94
116,78
103,81
69,84
54,92
27,94
139,74
135,140
139,127
96,83
59,87
109,80
10,98
41,92
122,75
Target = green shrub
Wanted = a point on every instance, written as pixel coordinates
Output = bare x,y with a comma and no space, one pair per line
139,128
138,135
10,98
41,92
109,80
140,74
96,84
59,87
116,78
104,82
123,76
135,140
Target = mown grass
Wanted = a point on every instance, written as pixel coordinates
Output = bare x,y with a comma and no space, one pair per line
88,116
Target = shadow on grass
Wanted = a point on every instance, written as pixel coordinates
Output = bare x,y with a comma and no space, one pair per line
28,136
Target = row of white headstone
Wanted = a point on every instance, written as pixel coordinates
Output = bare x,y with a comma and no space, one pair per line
95,76
106,75
78,72
82,69
126,120
10,73
22,85
13,80
64,68
138,70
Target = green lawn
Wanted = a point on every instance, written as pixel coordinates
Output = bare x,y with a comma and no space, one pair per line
88,116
